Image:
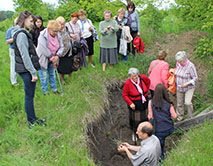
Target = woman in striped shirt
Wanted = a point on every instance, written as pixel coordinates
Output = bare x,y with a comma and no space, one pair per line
186,77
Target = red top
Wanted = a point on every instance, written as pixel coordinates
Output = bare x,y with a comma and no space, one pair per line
130,89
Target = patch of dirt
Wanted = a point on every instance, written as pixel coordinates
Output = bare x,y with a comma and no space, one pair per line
112,129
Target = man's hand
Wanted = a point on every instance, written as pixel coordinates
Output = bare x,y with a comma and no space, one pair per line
34,79
132,106
122,148
126,145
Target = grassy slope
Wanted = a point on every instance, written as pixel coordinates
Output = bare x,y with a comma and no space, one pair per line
195,149
63,141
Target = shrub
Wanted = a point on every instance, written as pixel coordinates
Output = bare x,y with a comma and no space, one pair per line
204,48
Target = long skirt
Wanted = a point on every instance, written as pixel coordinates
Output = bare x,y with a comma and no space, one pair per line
65,64
108,55
139,114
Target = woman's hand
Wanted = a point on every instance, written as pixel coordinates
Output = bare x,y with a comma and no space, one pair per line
73,36
132,106
111,27
105,29
138,33
34,78
90,29
120,26
54,59
185,85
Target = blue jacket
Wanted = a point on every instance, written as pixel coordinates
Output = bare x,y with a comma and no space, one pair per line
9,36
163,120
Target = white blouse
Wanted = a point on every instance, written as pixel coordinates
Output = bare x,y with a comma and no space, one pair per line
85,28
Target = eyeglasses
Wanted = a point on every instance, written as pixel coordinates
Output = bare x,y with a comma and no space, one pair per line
55,31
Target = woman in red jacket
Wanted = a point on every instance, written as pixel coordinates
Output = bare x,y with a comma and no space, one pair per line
135,94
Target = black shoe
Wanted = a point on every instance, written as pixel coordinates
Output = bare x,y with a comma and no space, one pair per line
41,122
38,122
57,92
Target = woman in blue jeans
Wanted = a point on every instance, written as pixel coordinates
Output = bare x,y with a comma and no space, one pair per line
163,112
26,62
50,48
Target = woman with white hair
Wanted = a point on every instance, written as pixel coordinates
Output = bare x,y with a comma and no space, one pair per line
135,94
186,77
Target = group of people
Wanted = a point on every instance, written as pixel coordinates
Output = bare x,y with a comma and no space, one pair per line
52,48
112,32
46,48
160,107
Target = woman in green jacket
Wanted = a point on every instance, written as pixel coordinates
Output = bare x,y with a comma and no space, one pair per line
108,50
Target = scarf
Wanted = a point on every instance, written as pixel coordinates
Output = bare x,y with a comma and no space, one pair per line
129,22
53,44
82,23
183,64
139,90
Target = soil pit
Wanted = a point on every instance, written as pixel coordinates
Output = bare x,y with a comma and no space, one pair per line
113,128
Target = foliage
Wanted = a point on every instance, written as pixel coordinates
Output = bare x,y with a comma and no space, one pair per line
6,24
198,13
94,8
153,16
37,7
204,48
6,14
210,82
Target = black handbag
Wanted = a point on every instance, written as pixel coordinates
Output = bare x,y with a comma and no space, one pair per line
76,46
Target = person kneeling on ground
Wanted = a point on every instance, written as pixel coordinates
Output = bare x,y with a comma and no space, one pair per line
149,152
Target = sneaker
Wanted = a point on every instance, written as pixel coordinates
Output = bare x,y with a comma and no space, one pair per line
93,66
38,122
15,84
41,122
56,92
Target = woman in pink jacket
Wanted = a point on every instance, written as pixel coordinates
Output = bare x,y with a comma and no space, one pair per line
158,71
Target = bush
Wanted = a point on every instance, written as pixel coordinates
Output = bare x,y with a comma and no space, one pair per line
6,24
204,48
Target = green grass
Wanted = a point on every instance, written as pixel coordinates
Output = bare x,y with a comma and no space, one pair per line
194,149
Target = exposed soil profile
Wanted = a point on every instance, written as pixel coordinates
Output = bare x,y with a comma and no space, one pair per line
106,133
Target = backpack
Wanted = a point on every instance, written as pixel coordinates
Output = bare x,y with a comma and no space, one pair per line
138,43
171,80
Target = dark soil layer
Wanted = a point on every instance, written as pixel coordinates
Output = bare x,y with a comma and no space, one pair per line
112,129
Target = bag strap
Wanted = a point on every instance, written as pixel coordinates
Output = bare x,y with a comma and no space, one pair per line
71,28
153,67
141,80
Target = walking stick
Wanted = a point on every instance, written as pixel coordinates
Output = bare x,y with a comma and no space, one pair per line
59,81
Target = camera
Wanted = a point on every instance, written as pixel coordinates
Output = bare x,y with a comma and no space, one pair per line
108,28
